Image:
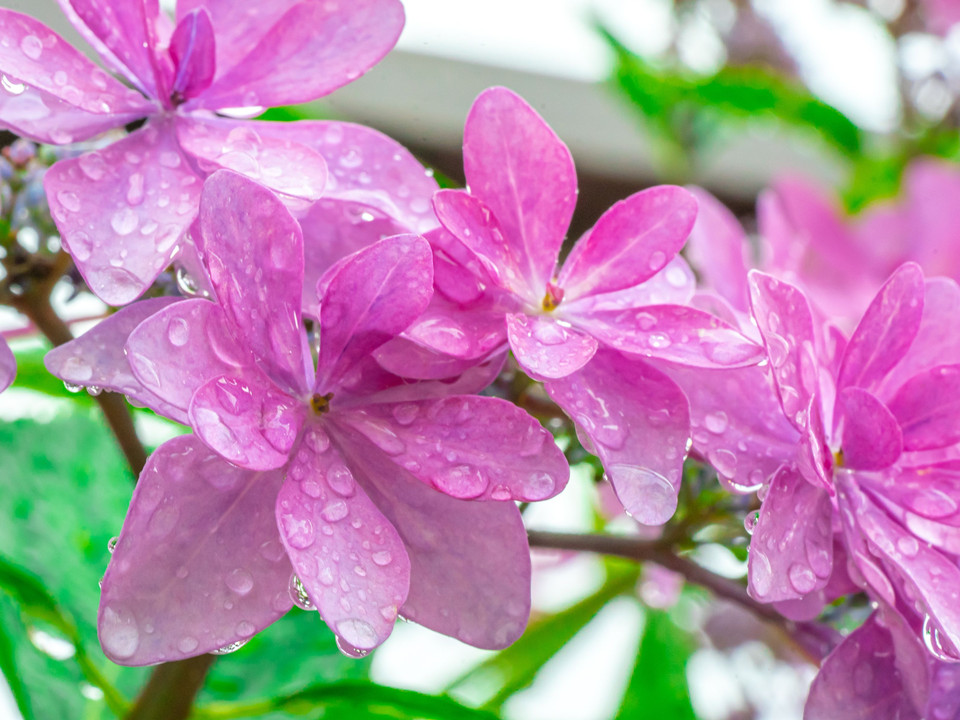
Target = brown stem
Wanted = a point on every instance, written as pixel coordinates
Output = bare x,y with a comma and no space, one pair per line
171,689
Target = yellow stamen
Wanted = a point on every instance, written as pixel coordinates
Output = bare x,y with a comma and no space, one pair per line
321,403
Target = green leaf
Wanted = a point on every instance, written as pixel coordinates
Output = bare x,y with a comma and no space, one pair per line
658,687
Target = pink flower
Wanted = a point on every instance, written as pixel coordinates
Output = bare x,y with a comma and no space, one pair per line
584,329
8,365
122,210
357,484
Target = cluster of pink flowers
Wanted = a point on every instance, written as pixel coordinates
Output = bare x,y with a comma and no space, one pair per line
346,313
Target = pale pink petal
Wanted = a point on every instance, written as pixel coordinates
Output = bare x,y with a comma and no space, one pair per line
812,604
791,551
121,211
524,173
717,247
52,92
871,435
814,458
253,249
310,51
125,33
253,425
927,407
199,564
8,365
409,359
928,491
638,421
470,331
282,165
886,331
467,447
464,265
180,348
677,333
631,242
192,49
97,358
469,561
674,285
377,385
783,315
369,299
348,556
546,348
929,233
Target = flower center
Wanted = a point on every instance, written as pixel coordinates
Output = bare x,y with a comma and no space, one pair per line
321,403
552,298
838,458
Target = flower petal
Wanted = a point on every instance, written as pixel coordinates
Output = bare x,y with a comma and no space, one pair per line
52,92
469,561
638,421
252,425
310,51
8,365
716,247
369,299
406,358
282,165
97,358
121,210
467,447
674,285
546,348
791,552
348,556
871,435
886,331
524,173
253,250
927,407
469,332
631,242
199,564
192,49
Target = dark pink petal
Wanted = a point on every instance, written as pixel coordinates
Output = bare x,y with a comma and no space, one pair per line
199,564
406,358
791,552
125,33
680,334
472,222
310,51
467,447
283,165
524,173
52,92
886,331
252,425
465,267
871,435
8,365
864,678
469,561
369,299
122,210
253,249
631,242
716,247
638,421
377,385
179,349
928,408
348,556
192,49
470,332
783,315
97,358
546,347
814,458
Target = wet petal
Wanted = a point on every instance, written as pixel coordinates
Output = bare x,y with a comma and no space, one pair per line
871,435
311,50
199,564
928,408
53,93
469,332
677,333
97,358
631,242
716,247
791,552
369,299
638,421
467,447
524,173
546,348
252,425
469,561
253,249
409,359
121,211
192,49
282,165
348,556
886,331
674,285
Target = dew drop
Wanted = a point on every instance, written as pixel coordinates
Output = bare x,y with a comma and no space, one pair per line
341,480
240,581
78,370
716,422
657,260
461,481
358,634
539,486
382,558
32,47
405,413
750,521
124,221
112,544
298,593
119,632
802,578
178,332
658,340
187,644
335,511
69,200
231,648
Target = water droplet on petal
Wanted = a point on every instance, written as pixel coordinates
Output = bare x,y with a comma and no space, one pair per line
341,480
112,544
240,581
119,632
78,370
69,200
187,644
298,593
461,481
359,636
657,260
750,521
405,413
382,558
802,578
231,648
540,486
716,422
908,545
335,511
124,221
32,47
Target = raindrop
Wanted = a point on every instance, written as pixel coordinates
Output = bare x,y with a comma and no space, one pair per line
657,260
750,521
298,593
461,481
178,332
802,578
32,47
14,88
124,221
227,649
240,581
341,480
716,422
69,200
71,387
186,284
335,511
382,558
658,341
94,390
112,544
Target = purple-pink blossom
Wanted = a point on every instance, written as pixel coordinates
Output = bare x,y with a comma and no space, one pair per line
8,365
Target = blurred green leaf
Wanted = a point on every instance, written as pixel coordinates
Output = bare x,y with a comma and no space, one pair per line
658,687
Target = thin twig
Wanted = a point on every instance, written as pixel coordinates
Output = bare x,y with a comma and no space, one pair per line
171,689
